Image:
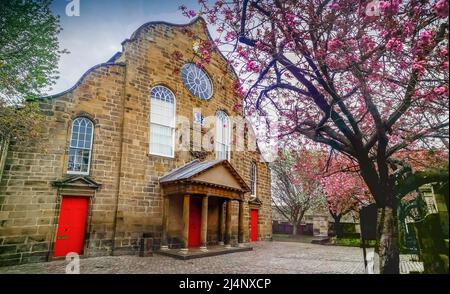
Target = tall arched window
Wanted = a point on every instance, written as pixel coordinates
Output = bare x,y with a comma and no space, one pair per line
253,174
162,122
222,135
80,149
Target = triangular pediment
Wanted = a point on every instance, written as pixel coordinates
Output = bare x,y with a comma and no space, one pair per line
77,181
213,172
219,175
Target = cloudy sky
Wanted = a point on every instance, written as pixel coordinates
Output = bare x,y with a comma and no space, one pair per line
97,33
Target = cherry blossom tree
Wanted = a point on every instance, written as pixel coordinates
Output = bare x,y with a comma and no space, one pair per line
296,185
366,78
345,192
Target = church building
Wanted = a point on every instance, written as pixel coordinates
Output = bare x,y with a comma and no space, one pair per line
140,154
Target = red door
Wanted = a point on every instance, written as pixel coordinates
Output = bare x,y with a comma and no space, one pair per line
254,225
195,222
71,226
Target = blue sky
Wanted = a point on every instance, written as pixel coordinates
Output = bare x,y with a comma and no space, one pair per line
95,35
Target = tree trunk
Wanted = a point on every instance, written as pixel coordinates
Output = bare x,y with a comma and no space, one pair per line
388,247
294,229
338,227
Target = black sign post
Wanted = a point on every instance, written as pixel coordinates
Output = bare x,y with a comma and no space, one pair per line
368,224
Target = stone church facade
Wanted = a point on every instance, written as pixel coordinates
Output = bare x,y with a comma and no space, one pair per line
108,173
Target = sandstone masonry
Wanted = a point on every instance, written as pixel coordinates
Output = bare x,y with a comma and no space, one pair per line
127,204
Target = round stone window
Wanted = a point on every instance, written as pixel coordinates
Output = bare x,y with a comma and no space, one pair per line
196,81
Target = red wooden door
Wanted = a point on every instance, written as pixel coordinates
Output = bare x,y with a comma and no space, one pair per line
71,226
254,225
195,222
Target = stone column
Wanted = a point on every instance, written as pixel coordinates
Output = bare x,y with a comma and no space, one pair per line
228,224
320,225
221,222
241,223
204,228
186,201
165,224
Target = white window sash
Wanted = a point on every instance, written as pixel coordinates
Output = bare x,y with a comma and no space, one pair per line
172,147
162,115
71,147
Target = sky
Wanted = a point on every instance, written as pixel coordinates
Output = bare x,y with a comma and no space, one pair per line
96,34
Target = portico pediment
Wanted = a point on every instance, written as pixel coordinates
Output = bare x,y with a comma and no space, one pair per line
214,177
77,185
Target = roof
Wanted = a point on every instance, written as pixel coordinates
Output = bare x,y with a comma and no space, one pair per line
196,167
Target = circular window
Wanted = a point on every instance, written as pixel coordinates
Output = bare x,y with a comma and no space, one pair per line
196,81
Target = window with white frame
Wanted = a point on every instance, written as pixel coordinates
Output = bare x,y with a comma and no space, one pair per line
222,135
253,179
80,149
162,121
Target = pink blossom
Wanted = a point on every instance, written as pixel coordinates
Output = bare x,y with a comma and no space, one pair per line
335,6
252,66
199,63
395,45
425,39
443,52
408,27
441,8
367,42
334,45
290,18
192,13
230,36
419,66
390,7
440,90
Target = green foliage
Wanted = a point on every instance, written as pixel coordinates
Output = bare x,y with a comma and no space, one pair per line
351,242
408,181
29,49
432,246
20,124
29,55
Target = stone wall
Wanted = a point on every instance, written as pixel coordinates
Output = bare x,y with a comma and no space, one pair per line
115,96
29,203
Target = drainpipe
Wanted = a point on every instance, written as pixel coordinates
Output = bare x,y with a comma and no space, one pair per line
4,145
113,247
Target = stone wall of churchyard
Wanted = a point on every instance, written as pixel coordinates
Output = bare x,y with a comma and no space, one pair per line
115,96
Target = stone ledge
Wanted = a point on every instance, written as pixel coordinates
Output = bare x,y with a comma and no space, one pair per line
197,253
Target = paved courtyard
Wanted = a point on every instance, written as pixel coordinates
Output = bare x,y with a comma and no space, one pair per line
266,258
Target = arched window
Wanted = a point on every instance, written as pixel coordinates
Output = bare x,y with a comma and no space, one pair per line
80,149
253,174
222,135
162,122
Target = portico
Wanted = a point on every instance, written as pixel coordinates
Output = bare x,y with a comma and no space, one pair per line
209,203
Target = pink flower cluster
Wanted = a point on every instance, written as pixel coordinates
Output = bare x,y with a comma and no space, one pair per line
390,7
441,8
425,39
394,45
252,66
187,12
367,43
290,19
419,66
441,90
335,44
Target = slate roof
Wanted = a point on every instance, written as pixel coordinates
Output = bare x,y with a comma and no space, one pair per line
189,170
195,167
